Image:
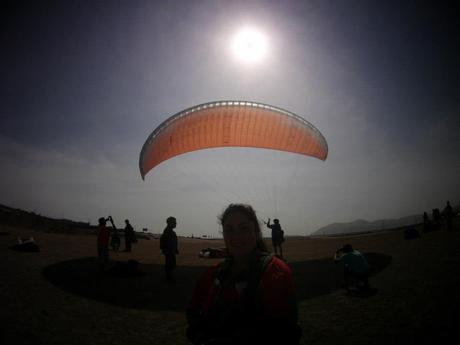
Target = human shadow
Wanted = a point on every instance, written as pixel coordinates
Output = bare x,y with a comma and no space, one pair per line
149,290
146,290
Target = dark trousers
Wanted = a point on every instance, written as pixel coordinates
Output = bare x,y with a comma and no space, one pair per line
103,256
277,245
170,265
349,275
128,245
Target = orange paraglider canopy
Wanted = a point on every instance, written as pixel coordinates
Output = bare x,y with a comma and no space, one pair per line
231,123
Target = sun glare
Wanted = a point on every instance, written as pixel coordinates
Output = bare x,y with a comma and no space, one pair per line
249,45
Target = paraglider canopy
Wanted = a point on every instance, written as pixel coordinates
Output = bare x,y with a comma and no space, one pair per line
231,123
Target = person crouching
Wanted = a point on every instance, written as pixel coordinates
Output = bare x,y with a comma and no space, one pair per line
356,267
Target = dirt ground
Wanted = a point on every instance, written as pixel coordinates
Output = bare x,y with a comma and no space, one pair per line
56,296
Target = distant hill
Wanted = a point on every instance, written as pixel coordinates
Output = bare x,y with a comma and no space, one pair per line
361,225
18,217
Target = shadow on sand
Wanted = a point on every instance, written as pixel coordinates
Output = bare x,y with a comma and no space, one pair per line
149,290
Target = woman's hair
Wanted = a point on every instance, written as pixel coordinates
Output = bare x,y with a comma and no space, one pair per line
249,212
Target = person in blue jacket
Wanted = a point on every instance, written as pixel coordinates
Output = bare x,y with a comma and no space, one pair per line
356,267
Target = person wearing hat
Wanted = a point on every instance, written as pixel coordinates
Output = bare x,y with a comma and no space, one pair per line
168,246
356,267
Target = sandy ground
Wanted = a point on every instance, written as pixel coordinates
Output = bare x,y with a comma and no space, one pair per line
56,296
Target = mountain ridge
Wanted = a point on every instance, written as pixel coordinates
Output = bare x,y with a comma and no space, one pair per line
363,225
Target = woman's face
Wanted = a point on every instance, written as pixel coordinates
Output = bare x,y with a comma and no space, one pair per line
239,234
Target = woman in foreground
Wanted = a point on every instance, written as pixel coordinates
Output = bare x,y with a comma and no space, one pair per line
248,298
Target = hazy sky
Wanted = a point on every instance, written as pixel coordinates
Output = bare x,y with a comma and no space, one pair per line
84,83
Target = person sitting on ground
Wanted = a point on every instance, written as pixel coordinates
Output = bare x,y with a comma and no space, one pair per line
248,298
356,267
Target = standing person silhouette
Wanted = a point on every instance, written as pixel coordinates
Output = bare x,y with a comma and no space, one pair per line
129,236
168,245
249,298
436,218
426,222
277,236
103,239
448,215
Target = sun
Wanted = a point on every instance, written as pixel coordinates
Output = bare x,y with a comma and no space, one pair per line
249,45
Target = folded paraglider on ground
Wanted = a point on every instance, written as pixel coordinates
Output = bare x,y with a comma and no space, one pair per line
213,253
26,245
